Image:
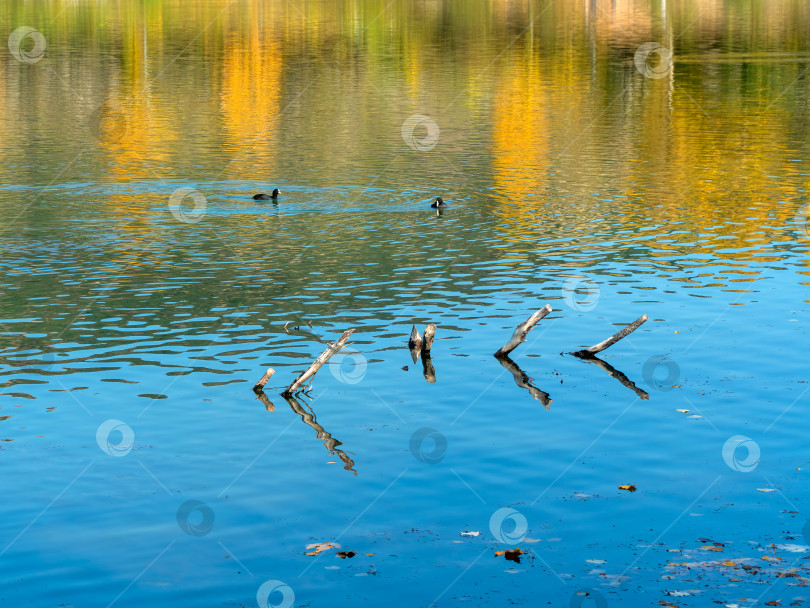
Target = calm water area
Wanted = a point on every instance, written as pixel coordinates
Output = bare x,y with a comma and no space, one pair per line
611,159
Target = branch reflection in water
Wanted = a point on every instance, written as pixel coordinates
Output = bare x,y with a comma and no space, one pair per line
330,442
523,381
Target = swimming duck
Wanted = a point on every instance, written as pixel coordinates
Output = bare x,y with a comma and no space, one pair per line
439,204
266,197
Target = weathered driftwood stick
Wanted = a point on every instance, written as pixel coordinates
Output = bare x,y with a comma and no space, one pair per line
614,373
430,333
523,381
415,340
260,384
428,369
596,348
316,365
521,331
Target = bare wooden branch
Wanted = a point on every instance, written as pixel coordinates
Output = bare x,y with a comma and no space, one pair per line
596,348
316,365
263,380
523,381
415,341
521,331
430,333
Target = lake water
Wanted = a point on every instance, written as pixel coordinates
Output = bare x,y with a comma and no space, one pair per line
610,159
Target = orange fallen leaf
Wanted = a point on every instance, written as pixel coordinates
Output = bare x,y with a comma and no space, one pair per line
369,554
511,554
630,487
769,558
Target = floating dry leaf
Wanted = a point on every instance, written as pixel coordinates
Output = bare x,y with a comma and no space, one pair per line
765,490
345,554
683,411
320,547
630,487
511,554
711,548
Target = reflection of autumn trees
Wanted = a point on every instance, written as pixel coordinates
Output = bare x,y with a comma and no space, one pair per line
547,91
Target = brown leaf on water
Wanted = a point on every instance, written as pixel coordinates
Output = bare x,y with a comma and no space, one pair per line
711,548
786,574
630,487
773,603
511,554
320,547
345,554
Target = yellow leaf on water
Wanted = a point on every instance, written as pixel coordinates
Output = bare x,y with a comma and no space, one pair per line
630,487
320,547
729,564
